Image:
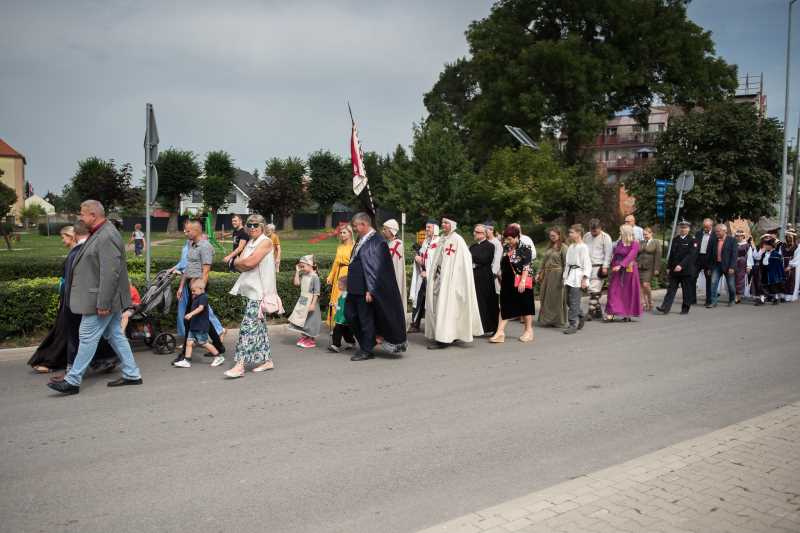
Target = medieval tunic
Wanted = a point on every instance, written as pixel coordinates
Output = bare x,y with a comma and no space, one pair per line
744,259
649,260
553,311
338,270
482,259
399,262
451,307
623,286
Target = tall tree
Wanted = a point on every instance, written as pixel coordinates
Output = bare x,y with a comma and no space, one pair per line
330,179
8,197
218,181
102,180
376,166
735,156
438,179
178,174
282,192
571,65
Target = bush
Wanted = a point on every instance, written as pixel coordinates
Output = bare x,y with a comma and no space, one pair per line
50,267
31,305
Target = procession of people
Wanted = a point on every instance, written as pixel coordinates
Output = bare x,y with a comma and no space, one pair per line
458,292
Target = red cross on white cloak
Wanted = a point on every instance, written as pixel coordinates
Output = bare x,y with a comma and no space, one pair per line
395,248
450,250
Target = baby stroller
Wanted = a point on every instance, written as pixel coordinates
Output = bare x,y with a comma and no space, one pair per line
144,324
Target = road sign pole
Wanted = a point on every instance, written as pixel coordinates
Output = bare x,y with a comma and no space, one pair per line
678,206
147,171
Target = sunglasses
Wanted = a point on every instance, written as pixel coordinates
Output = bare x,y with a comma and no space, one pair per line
252,225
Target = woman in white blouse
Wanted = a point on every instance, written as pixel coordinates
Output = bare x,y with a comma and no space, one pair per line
257,285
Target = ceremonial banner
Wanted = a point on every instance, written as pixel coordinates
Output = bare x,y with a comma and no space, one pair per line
360,182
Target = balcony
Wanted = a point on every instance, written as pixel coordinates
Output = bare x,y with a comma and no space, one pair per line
648,138
623,164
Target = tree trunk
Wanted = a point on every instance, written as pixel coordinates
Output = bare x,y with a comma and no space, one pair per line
288,223
172,225
329,220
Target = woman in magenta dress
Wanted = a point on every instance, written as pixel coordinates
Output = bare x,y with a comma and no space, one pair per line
623,280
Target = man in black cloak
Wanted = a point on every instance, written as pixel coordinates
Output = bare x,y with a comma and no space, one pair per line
373,307
482,257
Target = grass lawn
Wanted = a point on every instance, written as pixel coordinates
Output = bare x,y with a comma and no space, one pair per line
168,246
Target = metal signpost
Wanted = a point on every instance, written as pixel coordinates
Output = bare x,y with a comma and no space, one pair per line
684,183
151,179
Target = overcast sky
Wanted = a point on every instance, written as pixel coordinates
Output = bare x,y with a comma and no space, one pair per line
266,78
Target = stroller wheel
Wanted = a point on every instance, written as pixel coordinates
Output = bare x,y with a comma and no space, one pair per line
164,343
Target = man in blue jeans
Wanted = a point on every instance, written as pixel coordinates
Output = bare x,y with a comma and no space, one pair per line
722,263
99,291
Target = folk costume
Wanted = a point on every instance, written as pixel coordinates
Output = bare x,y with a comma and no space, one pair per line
338,269
451,306
553,311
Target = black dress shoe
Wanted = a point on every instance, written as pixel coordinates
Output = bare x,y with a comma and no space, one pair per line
581,322
362,356
438,346
660,310
124,381
64,387
684,311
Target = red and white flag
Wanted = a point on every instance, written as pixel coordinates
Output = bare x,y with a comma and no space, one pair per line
357,158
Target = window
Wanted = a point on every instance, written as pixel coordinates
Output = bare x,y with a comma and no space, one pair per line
611,131
197,197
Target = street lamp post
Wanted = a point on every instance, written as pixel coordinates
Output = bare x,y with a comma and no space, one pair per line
784,161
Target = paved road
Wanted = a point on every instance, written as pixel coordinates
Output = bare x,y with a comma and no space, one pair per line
322,444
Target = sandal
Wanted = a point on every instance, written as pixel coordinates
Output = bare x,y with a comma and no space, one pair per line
498,338
264,367
40,369
233,374
608,319
526,338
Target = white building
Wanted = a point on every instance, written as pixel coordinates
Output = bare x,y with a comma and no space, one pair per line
44,204
238,199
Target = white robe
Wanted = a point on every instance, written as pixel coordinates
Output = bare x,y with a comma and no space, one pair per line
451,306
795,262
399,261
426,252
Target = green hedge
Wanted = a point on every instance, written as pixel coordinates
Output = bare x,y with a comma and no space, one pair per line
48,267
31,305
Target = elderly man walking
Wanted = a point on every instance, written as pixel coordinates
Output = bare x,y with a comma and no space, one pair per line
99,291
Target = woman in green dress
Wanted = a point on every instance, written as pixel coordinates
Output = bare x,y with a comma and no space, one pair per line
551,283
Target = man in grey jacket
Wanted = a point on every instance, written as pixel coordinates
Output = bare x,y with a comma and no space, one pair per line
99,291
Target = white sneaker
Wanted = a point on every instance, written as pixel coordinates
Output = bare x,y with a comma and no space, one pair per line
183,363
218,360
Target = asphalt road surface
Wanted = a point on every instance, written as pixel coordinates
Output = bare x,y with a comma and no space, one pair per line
390,445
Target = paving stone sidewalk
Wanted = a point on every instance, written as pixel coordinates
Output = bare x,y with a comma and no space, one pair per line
743,478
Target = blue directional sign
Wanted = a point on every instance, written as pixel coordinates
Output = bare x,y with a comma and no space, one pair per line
661,191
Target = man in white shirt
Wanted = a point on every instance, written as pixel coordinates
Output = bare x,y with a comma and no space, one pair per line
600,249
577,270
638,232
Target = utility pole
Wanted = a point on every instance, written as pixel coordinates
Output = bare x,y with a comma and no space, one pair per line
793,210
784,161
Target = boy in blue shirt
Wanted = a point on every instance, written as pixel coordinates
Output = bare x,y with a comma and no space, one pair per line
198,327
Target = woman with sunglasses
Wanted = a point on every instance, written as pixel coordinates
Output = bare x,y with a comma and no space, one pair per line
341,263
257,285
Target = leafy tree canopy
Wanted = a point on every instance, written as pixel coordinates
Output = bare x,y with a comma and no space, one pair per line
329,179
282,192
736,159
101,180
178,174
571,65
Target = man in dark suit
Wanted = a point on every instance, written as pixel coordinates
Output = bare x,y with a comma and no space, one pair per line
373,306
682,258
99,291
706,243
722,262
